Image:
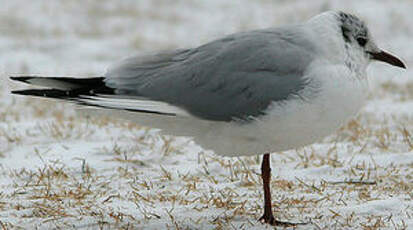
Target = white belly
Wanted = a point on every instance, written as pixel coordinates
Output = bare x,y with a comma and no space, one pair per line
292,124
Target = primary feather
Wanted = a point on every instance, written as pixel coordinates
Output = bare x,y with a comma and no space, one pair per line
92,92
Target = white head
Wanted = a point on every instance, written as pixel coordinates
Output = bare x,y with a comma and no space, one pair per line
353,37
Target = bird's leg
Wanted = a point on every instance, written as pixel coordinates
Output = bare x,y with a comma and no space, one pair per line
268,216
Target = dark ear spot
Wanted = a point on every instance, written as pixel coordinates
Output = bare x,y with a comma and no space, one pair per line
361,41
345,32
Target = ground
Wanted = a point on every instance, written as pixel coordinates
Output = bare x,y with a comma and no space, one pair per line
60,169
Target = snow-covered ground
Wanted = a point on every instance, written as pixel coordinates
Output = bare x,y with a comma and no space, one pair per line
59,169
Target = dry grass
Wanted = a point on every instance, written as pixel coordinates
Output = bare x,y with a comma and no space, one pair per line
57,195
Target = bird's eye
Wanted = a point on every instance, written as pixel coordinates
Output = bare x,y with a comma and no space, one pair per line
362,41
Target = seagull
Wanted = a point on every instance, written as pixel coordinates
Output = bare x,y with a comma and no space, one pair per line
249,93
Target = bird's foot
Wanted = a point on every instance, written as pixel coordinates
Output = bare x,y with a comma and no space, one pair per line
269,219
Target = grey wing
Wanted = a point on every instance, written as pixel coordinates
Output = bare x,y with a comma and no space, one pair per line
236,77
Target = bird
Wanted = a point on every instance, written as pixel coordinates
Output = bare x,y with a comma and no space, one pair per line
248,93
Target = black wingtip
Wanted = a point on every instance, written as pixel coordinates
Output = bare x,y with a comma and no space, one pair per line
27,92
16,92
22,92
24,79
51,93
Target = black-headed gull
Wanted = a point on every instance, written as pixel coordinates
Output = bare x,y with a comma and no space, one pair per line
248,93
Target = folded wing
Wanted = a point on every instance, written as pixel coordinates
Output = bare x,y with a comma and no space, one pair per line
236,77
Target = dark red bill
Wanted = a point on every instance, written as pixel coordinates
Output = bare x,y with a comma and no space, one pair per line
388,58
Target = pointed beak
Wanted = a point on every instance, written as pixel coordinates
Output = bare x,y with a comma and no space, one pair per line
388,58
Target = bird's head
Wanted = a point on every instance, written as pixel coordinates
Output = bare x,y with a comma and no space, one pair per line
352,39
358,39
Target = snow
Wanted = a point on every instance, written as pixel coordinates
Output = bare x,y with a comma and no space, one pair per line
59,169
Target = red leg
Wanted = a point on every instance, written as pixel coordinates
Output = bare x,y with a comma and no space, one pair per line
268,216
